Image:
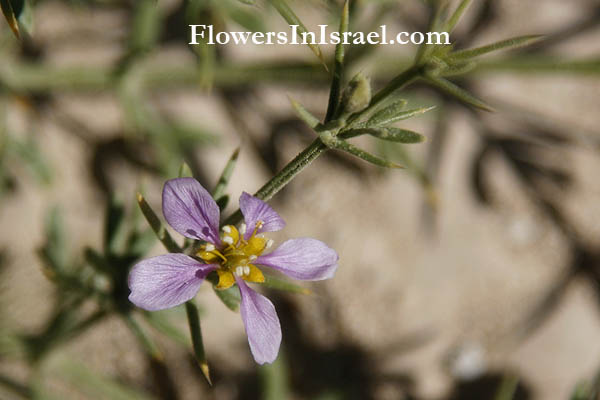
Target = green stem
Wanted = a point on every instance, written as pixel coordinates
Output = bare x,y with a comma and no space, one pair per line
316,148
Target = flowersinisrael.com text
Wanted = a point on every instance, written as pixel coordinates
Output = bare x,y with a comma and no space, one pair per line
206,34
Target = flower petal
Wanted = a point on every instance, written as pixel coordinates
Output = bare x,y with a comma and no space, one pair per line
191,210
254,210
304,258
261,322
166,281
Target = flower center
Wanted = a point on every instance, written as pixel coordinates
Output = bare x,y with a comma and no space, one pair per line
236,255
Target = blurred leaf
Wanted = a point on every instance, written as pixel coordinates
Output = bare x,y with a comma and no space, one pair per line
391,134
159,321
185,171
139,243
274,379
157,226
222,202
95,385
230,297
247,19
334,143
140,334
455,17
54,250
394,113
276,283
457,92
219,190
286,12
12,10
113,225
338,67
508,388
304,114
501,45
145,29
31,155
196,334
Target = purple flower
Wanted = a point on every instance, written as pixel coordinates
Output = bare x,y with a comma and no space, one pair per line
235,253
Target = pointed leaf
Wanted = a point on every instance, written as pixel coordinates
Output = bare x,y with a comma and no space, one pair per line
219,190
146,341
286,12
196,334
455,17
11,15
332,142
458,92
185,171
391,134
304,114
501,45
338,67
274,282
393,113
157,226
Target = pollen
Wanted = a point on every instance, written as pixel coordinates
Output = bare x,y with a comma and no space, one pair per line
236,254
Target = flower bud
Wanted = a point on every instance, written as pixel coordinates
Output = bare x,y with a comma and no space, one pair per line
357,95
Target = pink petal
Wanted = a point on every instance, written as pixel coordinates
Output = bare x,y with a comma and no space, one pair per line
254,210
261,322
191,210
305,259
166,281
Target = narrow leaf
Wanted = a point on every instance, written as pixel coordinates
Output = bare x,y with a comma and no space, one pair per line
286,12
157,226
391,134
196,334
338,67
147,343
11,16
273,282
332,142
394,113
159,322
304,114
230,297
219,190
512,43
458,92
185,171
456,15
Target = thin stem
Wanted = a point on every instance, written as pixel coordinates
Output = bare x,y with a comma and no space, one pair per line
316,148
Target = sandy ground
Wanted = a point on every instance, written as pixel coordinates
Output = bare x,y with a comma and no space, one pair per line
466,287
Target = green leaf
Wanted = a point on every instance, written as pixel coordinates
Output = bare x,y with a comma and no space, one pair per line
304,114
394,113
196,334
230,297
157,226
456,15
159,321
273,282
275,379
113,223
145,28
145,341
286,12
95,385
501,45
458,92
219,190
391,134
11,10
54,250
338,67
334,143
185,171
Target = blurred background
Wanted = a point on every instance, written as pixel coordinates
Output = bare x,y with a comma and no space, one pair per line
474,273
